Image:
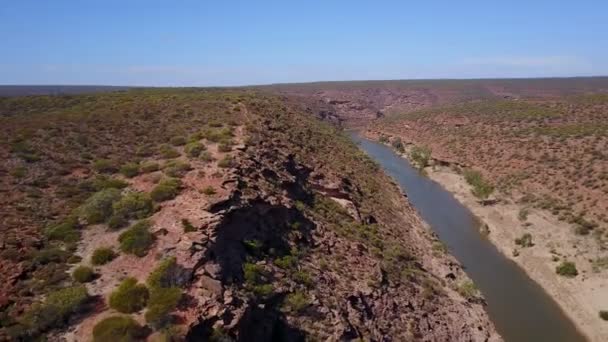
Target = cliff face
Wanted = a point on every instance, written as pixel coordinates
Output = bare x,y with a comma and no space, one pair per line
280,230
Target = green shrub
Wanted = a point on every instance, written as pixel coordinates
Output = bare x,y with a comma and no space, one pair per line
137,239
206,157
129,170
523,214
98,207
101,182
604,315
104,166
188,227
194,149
286,262
148,167
166,189
226,162
168,152
83,274
102,256
467,289
176,168
398,145
209,190
49,255
117,221
161,275
160,305
118,329
223,135
66,231
481,188
55,310
296,302
525,240
421,156
129,297
567,269
383,139
178,140
134,205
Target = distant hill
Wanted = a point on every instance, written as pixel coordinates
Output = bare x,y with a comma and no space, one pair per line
27,90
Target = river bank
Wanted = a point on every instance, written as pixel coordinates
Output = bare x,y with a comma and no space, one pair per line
581,297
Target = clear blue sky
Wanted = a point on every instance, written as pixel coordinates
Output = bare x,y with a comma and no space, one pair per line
182,42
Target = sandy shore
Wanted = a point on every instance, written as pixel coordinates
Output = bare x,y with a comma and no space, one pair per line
581,297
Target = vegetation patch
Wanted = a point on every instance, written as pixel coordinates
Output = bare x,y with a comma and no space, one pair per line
83,274
129,170
296,302
166,189
133,206
137,239
102,256
54,311
567,269
118,328
98,207
525,240
194,149
482,189
421,155
129,297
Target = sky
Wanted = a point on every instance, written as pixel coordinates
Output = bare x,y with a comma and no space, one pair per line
221,43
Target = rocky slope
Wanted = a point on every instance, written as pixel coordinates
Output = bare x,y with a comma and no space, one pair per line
211,215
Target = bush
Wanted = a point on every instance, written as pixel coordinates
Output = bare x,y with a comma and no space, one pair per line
398,145
166,189
481,188
525,240
209,190
149,167
130,170
66,231
129,297
604,315
83,274
137,239
101,182
102,256
98,207
467,289
168,152
176,168
206,157
567,269
161,276
134,205
421,156
178,140
104,166
194,149
56,309
188,227
226,162
117,329
161,303
296,302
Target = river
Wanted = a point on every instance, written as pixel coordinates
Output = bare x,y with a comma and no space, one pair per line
518,306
